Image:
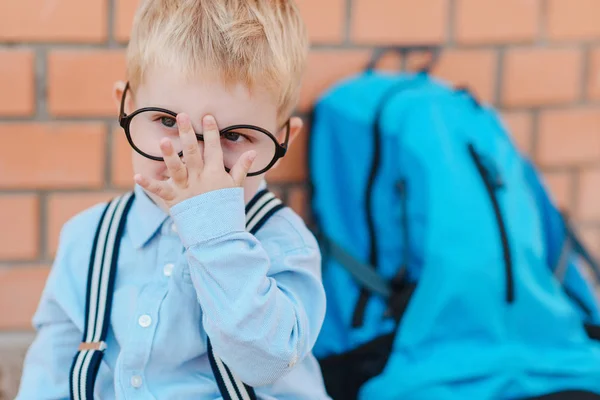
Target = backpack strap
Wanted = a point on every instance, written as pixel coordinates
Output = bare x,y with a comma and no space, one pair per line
365,274
100,285
258,211
572,243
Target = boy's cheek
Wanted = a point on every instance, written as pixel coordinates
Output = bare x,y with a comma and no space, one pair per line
148,168
251,185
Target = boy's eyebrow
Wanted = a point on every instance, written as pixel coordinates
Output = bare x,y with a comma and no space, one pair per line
158,105
196,118
197,122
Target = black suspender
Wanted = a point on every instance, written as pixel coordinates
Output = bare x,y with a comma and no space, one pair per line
258,211
100,285
100,288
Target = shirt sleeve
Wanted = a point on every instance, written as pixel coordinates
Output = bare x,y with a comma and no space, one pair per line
263,302
48,360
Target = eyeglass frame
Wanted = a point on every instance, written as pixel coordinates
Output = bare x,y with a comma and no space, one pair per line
125,122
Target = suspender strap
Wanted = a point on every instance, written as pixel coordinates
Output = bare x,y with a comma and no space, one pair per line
100,285
100,288
258,211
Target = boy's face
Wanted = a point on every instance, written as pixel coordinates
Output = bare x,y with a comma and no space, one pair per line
229,105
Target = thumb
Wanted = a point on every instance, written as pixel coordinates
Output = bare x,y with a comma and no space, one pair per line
242,166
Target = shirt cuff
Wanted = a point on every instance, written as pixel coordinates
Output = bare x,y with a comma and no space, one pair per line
210,215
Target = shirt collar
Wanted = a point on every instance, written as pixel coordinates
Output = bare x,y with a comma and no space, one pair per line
147,217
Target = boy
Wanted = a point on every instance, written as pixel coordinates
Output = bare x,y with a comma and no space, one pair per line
201,308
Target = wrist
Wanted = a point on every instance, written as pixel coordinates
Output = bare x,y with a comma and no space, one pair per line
210,215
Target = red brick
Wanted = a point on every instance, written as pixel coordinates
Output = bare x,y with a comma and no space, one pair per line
293,166
81,82
326,68
520,125
63,206
560,185
569,137
497,21
53,156
589,195
392,61
297,200
475,69
17,82
325,19
121,169
591,240
21,288
541,76
19,218
573,19
52,21
418,60
399,21
124,13
594,75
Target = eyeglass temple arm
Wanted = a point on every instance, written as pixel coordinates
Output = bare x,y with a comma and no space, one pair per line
122,109
287,134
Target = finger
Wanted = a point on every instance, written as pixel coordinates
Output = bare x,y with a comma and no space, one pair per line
213,154
176,167
242,166
160,188
189,142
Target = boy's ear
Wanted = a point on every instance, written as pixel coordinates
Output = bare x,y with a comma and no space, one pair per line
296,125
118,89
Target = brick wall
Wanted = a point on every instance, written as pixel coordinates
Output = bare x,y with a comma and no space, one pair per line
60,152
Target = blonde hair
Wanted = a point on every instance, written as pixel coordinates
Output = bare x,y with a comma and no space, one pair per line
254,42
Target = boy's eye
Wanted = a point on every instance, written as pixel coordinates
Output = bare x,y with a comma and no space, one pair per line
169,122
232,136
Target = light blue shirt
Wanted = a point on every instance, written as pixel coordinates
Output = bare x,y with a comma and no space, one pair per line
180,277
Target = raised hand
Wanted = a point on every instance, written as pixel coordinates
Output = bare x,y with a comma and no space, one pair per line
197,173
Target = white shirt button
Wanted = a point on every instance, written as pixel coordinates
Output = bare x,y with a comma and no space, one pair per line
136,381
168,269
173,228
145,321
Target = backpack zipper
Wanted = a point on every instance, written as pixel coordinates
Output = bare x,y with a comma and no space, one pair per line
401,187
398,301
359,310
493,182
401,289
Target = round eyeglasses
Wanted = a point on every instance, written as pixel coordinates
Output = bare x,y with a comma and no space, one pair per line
146,127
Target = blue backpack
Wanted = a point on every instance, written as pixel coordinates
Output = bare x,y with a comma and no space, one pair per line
449,271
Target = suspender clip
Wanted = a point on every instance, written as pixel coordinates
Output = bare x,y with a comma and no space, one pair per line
100,346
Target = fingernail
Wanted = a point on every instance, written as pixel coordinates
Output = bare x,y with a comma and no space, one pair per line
250,159
165,144
209,120
183,120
